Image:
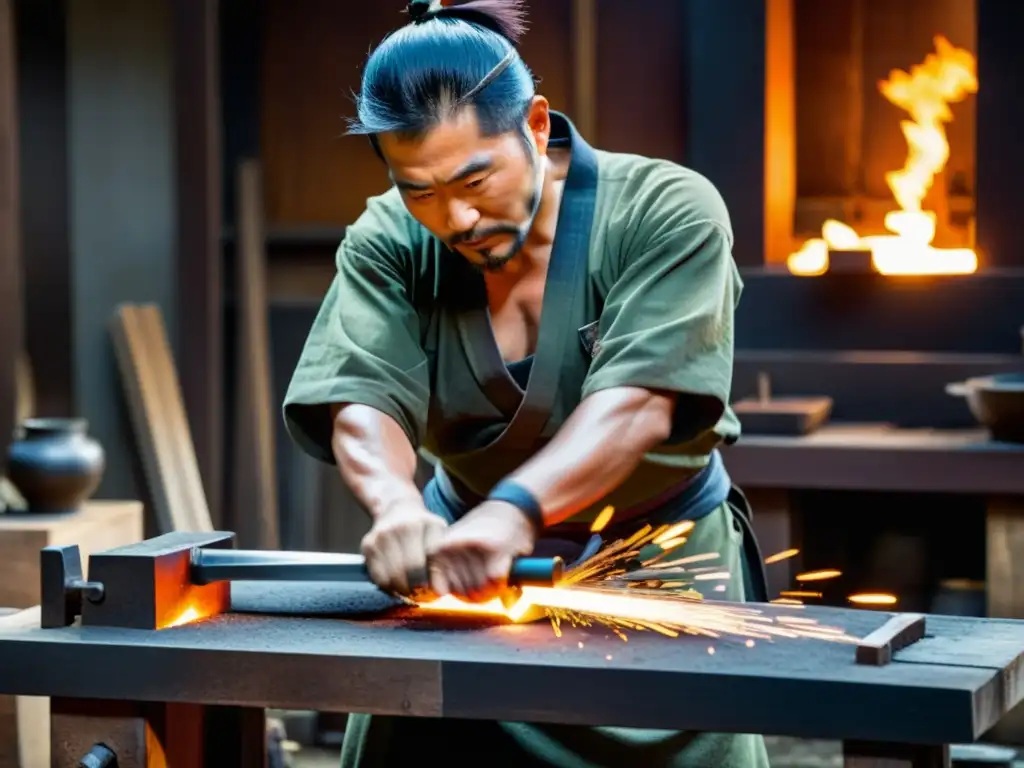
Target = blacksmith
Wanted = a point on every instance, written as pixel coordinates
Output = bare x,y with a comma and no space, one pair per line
553,324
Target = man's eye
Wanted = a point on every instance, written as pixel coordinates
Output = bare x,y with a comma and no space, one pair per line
475,183
424,196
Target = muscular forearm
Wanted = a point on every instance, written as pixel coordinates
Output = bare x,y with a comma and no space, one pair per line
596,449
375,458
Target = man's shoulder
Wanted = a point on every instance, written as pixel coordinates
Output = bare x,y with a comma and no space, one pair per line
652,195
385,230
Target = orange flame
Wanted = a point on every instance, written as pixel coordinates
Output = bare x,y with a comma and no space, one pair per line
946,76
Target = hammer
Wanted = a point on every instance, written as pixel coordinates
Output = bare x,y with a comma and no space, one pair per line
211,565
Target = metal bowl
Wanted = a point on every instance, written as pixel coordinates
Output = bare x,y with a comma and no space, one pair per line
996,402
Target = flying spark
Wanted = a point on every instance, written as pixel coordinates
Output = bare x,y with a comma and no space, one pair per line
637,584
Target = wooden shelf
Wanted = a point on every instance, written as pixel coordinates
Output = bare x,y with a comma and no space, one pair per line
879,457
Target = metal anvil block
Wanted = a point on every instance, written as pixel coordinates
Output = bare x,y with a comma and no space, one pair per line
140,586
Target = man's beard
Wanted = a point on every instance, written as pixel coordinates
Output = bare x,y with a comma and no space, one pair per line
493,262
490,261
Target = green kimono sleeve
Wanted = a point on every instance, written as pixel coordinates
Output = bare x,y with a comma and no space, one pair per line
364,347
667,322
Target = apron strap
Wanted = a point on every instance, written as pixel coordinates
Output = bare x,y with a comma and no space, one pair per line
755,575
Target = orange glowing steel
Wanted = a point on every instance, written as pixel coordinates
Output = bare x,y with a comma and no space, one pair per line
949,75
187,616
828,573
872,598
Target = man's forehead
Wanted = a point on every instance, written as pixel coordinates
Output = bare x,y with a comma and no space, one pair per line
425,175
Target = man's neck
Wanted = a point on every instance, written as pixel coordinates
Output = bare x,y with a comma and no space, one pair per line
536,249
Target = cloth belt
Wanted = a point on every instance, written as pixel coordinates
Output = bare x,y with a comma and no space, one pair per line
695,499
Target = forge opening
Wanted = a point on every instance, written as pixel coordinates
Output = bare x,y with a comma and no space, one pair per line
882,100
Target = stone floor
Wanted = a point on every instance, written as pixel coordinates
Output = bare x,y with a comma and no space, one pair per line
782,752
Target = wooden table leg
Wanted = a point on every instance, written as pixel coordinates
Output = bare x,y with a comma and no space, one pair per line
153,735
1004,586
1004,526
869,754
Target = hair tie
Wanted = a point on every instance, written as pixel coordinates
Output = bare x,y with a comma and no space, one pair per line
423,10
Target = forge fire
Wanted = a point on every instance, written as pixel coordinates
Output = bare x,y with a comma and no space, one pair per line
946,76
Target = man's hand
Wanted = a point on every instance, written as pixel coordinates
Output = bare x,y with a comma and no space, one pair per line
473,556
397,545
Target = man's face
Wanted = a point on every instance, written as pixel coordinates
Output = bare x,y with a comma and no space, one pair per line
476,194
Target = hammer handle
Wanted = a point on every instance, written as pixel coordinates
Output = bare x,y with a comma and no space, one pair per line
212,565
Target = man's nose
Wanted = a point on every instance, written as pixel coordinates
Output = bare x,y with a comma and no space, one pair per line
461,217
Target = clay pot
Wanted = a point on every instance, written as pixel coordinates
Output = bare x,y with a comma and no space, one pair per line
55,465
997,402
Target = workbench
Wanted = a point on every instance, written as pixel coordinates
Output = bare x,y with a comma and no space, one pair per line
329,648
880,457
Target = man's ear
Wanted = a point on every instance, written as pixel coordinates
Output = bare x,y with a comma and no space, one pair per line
538,119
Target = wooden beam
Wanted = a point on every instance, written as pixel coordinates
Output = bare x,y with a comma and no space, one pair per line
584,34
199,258
10,219
779,129
46,246
254,497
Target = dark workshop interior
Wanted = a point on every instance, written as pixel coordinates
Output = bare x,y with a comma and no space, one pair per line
174,185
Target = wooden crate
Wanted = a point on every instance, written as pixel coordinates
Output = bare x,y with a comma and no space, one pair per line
101,525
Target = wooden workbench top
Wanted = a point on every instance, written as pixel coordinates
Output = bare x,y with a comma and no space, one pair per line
879,457
951,686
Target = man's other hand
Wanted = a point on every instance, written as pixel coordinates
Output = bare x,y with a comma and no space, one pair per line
473,557
397,545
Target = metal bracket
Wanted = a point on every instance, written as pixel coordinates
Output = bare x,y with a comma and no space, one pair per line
63,586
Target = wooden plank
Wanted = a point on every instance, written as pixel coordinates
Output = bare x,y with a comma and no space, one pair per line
198,125
254,500
161,359
898,632
11,339
158,420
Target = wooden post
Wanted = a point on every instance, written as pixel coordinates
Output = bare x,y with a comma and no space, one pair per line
46,254
199,257
10,220
999,160
584,77
740,99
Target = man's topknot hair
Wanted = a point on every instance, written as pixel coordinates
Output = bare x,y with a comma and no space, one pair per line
448,57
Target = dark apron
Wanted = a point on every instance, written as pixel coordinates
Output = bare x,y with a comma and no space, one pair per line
566,309
703,494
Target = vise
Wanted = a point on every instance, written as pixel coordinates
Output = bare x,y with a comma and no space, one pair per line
181,577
